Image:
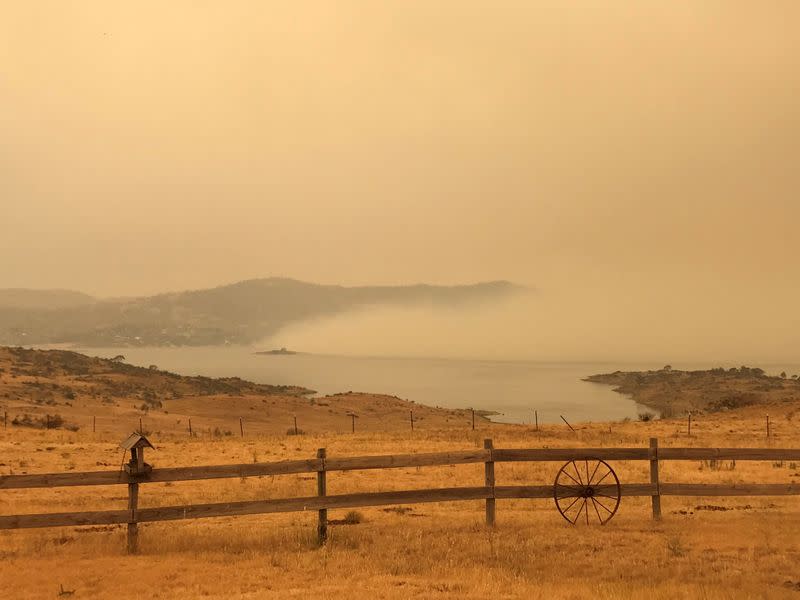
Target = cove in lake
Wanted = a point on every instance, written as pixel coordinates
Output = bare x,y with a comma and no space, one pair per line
514,389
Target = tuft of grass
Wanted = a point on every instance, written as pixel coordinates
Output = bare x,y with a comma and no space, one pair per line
675,547
353,517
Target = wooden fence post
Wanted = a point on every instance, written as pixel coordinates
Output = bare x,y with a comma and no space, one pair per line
295,424
490,502
322,490
536,419
690,423
352,423
473,419
94,424
241,426
135,466
412,419
655,498
5,419
767,426
133,527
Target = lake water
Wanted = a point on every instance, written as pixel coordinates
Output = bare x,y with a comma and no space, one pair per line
512,388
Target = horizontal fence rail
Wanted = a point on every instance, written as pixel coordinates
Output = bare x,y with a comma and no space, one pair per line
323,502
358,463
286,467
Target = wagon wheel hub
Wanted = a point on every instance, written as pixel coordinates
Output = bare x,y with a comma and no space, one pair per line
587,491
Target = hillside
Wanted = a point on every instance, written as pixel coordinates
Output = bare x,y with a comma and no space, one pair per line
67,390
674,392
239,313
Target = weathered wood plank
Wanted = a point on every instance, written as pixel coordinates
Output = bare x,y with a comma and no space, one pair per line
565,454
316,503
729,454
523,491
311,503
322,490
546,491
9,482
392,461
655,499
103,517
736,489
489,482
242,470
285,467
160,475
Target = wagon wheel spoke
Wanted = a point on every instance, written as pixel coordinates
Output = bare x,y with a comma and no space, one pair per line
571,477
586,506
596,501
578,514
597,512
571,504
577,472
597,466
604,476
605,495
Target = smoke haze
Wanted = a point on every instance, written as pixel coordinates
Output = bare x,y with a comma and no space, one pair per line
554,328
637,163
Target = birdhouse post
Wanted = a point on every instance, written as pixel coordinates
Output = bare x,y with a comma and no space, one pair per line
136,468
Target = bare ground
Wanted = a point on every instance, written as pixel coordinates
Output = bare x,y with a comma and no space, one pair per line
703,548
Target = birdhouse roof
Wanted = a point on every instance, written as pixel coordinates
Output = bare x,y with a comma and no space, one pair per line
136,440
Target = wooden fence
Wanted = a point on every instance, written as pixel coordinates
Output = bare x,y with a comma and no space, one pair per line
322,502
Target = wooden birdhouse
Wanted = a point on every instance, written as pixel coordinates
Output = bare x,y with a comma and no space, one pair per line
136,443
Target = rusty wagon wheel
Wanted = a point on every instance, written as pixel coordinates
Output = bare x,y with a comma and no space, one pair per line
587,490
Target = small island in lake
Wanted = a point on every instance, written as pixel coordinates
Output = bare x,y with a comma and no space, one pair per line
280,351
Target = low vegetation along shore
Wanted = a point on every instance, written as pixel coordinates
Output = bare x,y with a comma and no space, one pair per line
675,393
702,548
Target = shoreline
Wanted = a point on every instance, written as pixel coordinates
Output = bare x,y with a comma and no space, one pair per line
676,393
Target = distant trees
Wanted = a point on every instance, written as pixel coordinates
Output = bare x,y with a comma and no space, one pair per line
118,358
667,368
783,374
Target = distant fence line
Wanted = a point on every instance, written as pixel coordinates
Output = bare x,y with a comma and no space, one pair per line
294,430
137,473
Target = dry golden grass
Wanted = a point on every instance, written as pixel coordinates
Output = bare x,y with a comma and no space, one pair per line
749,550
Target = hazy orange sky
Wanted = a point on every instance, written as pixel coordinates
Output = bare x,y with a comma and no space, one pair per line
640,157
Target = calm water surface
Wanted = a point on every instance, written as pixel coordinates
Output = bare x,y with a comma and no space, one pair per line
512,388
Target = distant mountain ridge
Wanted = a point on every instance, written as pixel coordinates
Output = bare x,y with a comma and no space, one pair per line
239,313
42,299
